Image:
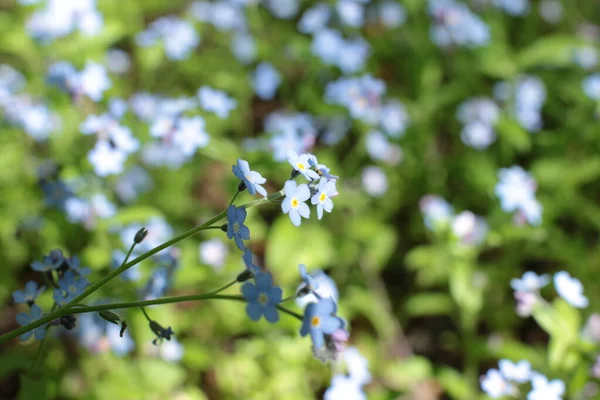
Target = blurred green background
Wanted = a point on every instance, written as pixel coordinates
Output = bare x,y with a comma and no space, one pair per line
430,312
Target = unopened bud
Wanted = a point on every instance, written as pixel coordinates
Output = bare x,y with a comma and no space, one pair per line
245,275
110,317
140,235
295,173
123,327
224,227
241,186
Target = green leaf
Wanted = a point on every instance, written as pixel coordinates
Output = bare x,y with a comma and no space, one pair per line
33,389
510,132
457,386
554,51
425,304
403,375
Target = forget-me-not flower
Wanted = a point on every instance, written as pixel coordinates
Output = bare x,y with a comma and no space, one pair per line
293,204
29,294
70,286
570,289
495,385
519,372
543,389
322,198
301,164
310,283
50,262
266,80
320,320
252,179
235,225
529,282
23,319
216,101
262,298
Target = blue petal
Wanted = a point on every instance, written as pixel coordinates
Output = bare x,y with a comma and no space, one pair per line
23,319
276,295
231,213
241,214
40,333
271,314
325,307
264,282
239,242
18,297
25,336
249,291
254,311
250,186
330,324
30,288
244,232
317,338
237,172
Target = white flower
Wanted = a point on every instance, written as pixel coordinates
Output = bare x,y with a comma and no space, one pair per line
295,196
358,366
213,252
530,282
106,159
301,164
519,372
322,198
344,388
495,385
570,289
542,389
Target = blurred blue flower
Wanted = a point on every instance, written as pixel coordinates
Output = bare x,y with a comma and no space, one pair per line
381,149
70,286
249,262
29,294
479,115
302,164
266,80
262,298
586,57
496,386
394,119
320,320
284,9
570,289
179,37
455,24
519,372
120,345
56,193
216,101
362,96
437,212
235,226
171,351
374,181
591,86
74,264
344,387
252,179
131,274
23,319
516,8
87,211
516,191
293,204
322,198
469,228
392,14
542,389
50,262
325,289
243,47
310,283
290,130
529,282
351,13
60,18
314,19
213,252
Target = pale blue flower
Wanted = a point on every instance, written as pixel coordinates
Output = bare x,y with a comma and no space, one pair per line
570,289
516,8
530,282
344,388
496,386
107,159
516,191
235,226
543,389
322,198
23,319
392,14
284,9
591,86
70,286
266,80
262,298
314,19
519,372
351,13
394,119
29,294
293,204
325,289
374,181
216,101
252,179
50,262
243,47
320,320
179,37
302,164
310,283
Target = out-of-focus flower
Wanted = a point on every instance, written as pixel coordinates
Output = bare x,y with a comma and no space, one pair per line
213,252
519,372
284,9
216,101
495,385
516,191
118,61
392,14
314,19
437,212
570,289
266,80
23,319
591,330
70,286
262,298
586,57
297,131
542,389
551,11
516,8
362,96
243,47
374,181
380,149
469,228
591,86
29,294
179,37
59,18
351,13
528,97
344,388
455,24
530,282
325,289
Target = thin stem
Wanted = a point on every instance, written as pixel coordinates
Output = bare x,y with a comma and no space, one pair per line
290,312
68,308
234,197
128,254
146,314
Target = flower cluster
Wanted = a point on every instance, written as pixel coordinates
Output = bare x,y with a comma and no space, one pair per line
478,116
498,383
516,191
525,97
455,25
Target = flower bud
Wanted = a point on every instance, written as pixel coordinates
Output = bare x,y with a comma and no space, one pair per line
224,227
241,186
294,174
140,235
110,317
245,275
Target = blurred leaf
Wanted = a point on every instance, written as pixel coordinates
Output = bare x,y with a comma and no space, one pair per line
553,50
33,389
456,384
424,304
406,373
510,132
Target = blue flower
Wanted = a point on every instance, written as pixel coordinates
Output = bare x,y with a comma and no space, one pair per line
570,289
28,295
262,298
50,262
295,196
302,164
24,319
320,320
235,225
252,179
70,286
216,101
75,265
310,284
322,198
266,80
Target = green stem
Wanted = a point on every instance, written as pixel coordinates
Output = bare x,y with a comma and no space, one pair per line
68,308
41,349
234,197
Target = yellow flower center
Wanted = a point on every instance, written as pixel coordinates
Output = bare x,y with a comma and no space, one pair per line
322,197
301,166
263,299
295,202
72,288
315,321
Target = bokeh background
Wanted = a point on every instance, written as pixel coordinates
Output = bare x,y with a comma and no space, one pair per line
417,106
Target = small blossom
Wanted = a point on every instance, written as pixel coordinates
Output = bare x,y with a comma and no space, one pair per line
320,320
213,253
295,196
526,302
252,179
216,101
235,225
24,319
310,284
301,164
570,289
322,198
519,372
530,282
28,295
266,80
262,298
325,289
74,265
495,385
50,262
70,286
542,389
